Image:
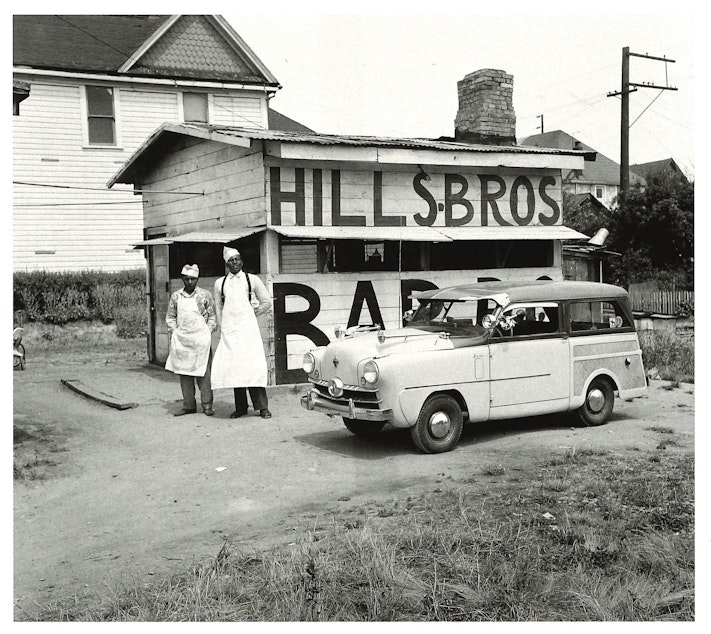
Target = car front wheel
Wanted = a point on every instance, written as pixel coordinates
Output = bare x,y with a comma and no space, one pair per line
599,403
363,427
439,425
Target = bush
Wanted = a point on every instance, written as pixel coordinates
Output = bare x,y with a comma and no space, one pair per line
61,298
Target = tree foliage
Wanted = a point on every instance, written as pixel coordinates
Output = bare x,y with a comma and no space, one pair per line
653,230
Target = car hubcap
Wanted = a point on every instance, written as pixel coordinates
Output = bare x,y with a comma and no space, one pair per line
596,400
440,424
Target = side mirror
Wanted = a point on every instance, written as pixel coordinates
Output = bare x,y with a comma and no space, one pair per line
488,321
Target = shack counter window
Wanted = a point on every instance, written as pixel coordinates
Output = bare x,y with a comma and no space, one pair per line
482,352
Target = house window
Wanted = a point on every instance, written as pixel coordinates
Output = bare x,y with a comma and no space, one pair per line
195,107
100,115
599,192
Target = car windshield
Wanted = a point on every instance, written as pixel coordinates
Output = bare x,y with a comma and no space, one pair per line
459,318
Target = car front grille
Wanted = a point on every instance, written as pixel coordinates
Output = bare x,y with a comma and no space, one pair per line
365,399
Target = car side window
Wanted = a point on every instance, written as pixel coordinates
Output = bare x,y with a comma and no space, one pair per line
592,316
534,319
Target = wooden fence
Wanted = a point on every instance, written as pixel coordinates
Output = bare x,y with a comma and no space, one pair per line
673,302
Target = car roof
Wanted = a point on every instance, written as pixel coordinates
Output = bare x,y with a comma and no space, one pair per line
519,291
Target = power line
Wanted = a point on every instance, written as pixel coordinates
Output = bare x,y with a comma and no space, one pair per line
106,189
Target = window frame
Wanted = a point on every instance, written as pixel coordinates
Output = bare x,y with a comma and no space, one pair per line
208,105
623,310
84,102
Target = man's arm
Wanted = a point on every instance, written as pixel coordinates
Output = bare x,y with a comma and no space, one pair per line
171,316
211,312
217,299
260,291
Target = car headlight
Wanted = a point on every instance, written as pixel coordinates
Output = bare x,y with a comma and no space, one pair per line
309,363
370,372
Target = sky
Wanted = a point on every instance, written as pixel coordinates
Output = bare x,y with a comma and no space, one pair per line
394,73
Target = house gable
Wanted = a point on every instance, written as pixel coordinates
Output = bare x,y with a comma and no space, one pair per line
196,46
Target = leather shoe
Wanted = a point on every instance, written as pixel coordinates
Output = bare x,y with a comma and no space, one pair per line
265,413
208,411
184,411
237,414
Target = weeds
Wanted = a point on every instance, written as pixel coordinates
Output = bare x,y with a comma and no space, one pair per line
671,355
615,543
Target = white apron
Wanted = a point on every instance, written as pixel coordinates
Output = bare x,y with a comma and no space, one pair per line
239,359
191,340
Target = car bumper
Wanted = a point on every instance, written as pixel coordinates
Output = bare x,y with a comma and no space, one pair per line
313,401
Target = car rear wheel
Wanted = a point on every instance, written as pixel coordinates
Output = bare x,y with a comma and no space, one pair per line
439,425
363,427
599,403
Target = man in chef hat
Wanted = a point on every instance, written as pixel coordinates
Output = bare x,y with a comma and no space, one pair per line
191,320
239,359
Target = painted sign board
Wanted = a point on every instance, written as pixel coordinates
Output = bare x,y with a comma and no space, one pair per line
306,196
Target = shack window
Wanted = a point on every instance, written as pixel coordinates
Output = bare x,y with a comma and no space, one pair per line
101,122
491,254
208,256
353,256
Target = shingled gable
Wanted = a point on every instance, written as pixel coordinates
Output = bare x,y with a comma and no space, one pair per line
180,46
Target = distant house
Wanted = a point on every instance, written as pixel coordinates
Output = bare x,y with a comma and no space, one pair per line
645,170
88,90
601,177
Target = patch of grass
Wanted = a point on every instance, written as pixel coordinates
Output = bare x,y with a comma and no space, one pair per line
33,467
34,451
660,429
493,470
615,543
670,354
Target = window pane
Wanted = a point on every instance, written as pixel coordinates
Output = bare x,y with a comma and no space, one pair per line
195,107
100,101
101,131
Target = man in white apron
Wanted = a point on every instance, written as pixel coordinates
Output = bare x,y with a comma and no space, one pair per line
239,359
191,319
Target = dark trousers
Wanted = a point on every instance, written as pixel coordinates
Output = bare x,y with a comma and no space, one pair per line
258,396
187,385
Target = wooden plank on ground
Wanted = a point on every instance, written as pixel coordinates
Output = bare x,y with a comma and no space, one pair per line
79,387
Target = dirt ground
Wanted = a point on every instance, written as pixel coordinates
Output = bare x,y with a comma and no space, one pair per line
136,493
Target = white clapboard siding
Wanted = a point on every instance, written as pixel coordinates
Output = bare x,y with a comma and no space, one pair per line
299,257
229,182
244,112
95,228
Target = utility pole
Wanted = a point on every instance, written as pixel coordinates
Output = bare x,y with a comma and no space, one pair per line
540,116
627,88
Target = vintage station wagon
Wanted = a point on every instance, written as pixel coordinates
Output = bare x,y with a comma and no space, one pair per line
481,352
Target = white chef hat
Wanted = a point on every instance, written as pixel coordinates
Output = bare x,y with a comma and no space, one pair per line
228,252
190,270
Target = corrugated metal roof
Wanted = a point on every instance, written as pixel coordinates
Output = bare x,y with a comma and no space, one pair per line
407,234
535,232
285,136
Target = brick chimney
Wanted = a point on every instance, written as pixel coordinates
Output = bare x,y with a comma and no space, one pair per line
486,113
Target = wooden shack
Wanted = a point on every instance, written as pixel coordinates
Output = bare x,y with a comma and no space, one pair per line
342,229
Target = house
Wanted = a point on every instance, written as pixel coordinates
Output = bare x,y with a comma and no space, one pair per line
87,91
667,166
601,177
343,229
